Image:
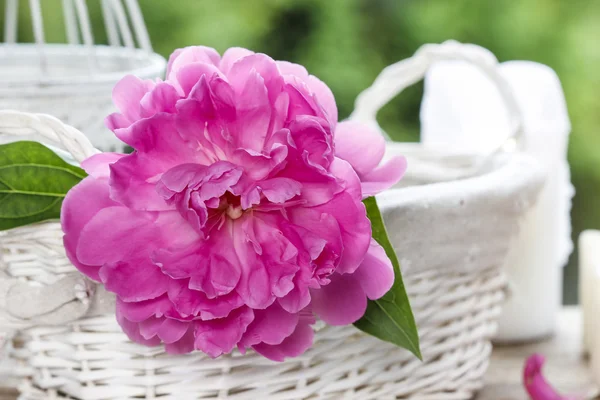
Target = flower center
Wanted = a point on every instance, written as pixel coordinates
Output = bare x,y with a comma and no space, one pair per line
234,212
232,206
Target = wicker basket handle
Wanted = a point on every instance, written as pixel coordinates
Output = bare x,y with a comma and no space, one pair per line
17,123
397,77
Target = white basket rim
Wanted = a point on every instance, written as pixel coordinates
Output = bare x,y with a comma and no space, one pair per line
152,64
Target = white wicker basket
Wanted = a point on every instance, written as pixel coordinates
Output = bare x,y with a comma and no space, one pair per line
451,238
74,81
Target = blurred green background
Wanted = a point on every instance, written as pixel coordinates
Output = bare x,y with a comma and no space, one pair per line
347,42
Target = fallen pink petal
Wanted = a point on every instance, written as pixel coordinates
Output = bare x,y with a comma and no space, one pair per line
536,385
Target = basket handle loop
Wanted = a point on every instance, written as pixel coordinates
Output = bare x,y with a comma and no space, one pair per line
17,123
397,77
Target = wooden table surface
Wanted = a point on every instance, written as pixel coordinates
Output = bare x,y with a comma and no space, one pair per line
565,367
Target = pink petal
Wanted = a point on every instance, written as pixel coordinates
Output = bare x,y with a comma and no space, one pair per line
94,194
271,326
288,68
344,173
128,93
212,270
98,165
132,331
360,145
222,335
325,98
253,113
193,303
189,76
159,148
221,279
135,280
142,310
115,234
231,56
267,259
535,383
342,302
299,297
293,346
376,273
264,66
383,177
355,229
259,166
189,55
280,190
184,345
172,330
312,137
162,98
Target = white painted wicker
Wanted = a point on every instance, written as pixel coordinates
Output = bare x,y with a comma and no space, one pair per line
451,238
73,81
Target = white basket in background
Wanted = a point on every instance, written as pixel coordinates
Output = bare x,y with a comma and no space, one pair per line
450,236
73,81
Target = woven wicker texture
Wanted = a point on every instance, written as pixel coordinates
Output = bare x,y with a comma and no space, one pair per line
455,308
92,359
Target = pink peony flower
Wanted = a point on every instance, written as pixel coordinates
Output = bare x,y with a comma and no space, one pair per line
235,221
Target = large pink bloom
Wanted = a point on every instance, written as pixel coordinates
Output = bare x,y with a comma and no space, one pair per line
235,221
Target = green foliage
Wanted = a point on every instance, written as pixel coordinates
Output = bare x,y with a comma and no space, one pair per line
33,183
389,318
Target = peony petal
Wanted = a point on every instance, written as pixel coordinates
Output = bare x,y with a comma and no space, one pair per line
114,234
128,93
312,137
288,68
185,344
383,177
98,165
360,145
231,56
94,194
190,75
259,166
342,302
132,331
375,274
134,280
171,330
162,98
280,190
344,173
193,303
271,326
536,385
355,229
262,64
221,336
143,310
293,346
159,148
190,55
253,112
325,98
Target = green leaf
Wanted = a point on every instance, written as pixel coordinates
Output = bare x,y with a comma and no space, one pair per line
33,183
389,318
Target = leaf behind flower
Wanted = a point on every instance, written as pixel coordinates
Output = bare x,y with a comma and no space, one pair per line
389,318
33,183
